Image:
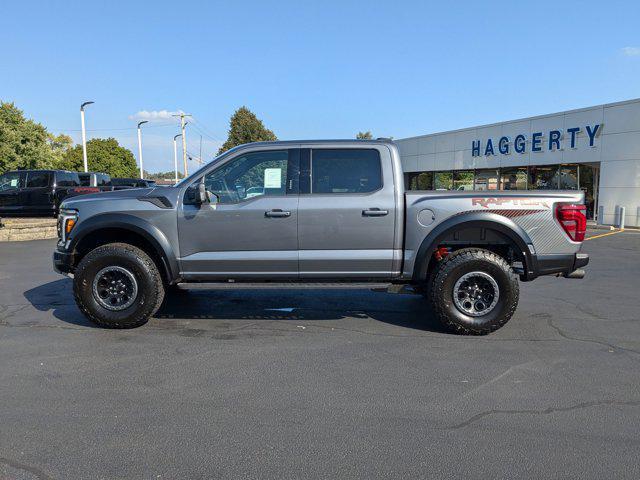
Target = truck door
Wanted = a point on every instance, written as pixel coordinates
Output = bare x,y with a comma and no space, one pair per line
347,213
252,229
37,195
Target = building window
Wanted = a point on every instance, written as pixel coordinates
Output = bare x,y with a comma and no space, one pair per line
487,179
443,181
569,177
463,180
420,181
514,178
544,177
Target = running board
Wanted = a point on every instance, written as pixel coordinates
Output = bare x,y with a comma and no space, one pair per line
377,287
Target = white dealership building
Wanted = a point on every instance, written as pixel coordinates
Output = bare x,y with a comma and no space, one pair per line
596,149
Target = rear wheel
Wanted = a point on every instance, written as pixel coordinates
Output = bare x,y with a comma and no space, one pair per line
118,286
474,291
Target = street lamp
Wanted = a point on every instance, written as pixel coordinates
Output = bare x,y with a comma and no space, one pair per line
175,155
84,136
140,147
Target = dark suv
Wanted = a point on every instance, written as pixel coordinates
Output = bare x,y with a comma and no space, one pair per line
126,183
35,192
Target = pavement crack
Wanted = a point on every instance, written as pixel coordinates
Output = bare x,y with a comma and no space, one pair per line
567,336
546,411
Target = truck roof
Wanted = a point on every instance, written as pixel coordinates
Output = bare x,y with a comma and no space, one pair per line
379,141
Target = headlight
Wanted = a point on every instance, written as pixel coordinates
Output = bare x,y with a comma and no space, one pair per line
67,220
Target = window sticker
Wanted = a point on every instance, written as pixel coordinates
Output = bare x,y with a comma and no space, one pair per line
14,182
272,177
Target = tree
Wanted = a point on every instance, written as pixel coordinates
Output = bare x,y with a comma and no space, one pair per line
245,127
59,145
23,142
103,155
364,135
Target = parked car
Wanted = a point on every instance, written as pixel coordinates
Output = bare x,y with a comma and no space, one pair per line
35,192
329,211
126,183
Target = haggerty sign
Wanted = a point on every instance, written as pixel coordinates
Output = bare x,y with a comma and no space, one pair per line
553,141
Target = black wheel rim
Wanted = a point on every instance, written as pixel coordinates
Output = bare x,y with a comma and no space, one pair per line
476,294
115,288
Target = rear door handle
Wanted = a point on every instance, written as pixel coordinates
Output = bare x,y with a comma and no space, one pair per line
277,213
375,212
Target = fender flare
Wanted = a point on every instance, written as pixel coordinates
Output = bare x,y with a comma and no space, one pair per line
136,225
488,220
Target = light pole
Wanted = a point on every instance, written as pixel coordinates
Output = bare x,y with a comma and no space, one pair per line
175,155
140,147
84,136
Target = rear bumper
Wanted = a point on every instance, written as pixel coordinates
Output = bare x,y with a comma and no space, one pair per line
564,264
62,262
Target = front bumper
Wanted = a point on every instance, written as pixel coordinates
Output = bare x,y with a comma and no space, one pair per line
63,262
564,264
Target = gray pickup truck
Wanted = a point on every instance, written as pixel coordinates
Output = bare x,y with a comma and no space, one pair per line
316,211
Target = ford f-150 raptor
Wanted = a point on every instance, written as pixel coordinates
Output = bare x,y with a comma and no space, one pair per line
316,211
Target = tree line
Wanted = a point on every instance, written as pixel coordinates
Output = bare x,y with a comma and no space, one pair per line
26,144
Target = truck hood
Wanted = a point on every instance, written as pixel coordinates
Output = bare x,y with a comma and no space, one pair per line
114,195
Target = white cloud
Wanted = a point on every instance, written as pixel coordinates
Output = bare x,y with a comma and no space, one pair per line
153,115
631,51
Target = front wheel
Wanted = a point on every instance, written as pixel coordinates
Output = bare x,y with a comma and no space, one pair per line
118,286
474,291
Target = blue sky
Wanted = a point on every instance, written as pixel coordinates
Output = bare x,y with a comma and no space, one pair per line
323,69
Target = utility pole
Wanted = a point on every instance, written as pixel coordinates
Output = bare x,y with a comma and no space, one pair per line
140,147
183,124
175,155
84,136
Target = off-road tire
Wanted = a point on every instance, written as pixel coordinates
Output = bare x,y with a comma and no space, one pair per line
148,278
452,268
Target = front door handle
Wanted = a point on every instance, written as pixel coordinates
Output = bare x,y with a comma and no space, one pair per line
375,212
277,213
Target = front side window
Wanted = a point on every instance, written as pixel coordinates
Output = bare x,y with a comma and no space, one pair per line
345,171
10,181
38,179
251,175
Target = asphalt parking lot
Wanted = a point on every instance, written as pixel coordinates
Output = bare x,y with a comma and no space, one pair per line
314,383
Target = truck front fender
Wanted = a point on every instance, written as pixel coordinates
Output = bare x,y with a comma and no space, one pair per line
136,225
488,220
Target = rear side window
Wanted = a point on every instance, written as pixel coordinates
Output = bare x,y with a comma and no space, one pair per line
104,180
345,171
85,179
67,179
38,179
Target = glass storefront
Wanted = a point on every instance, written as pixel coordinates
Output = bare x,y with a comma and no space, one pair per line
542,177
443,181
514,178
421,181
463,180
487,179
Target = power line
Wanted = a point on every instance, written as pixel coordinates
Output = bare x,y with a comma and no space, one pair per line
109,129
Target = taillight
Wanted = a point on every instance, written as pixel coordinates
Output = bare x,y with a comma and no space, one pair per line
573,220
